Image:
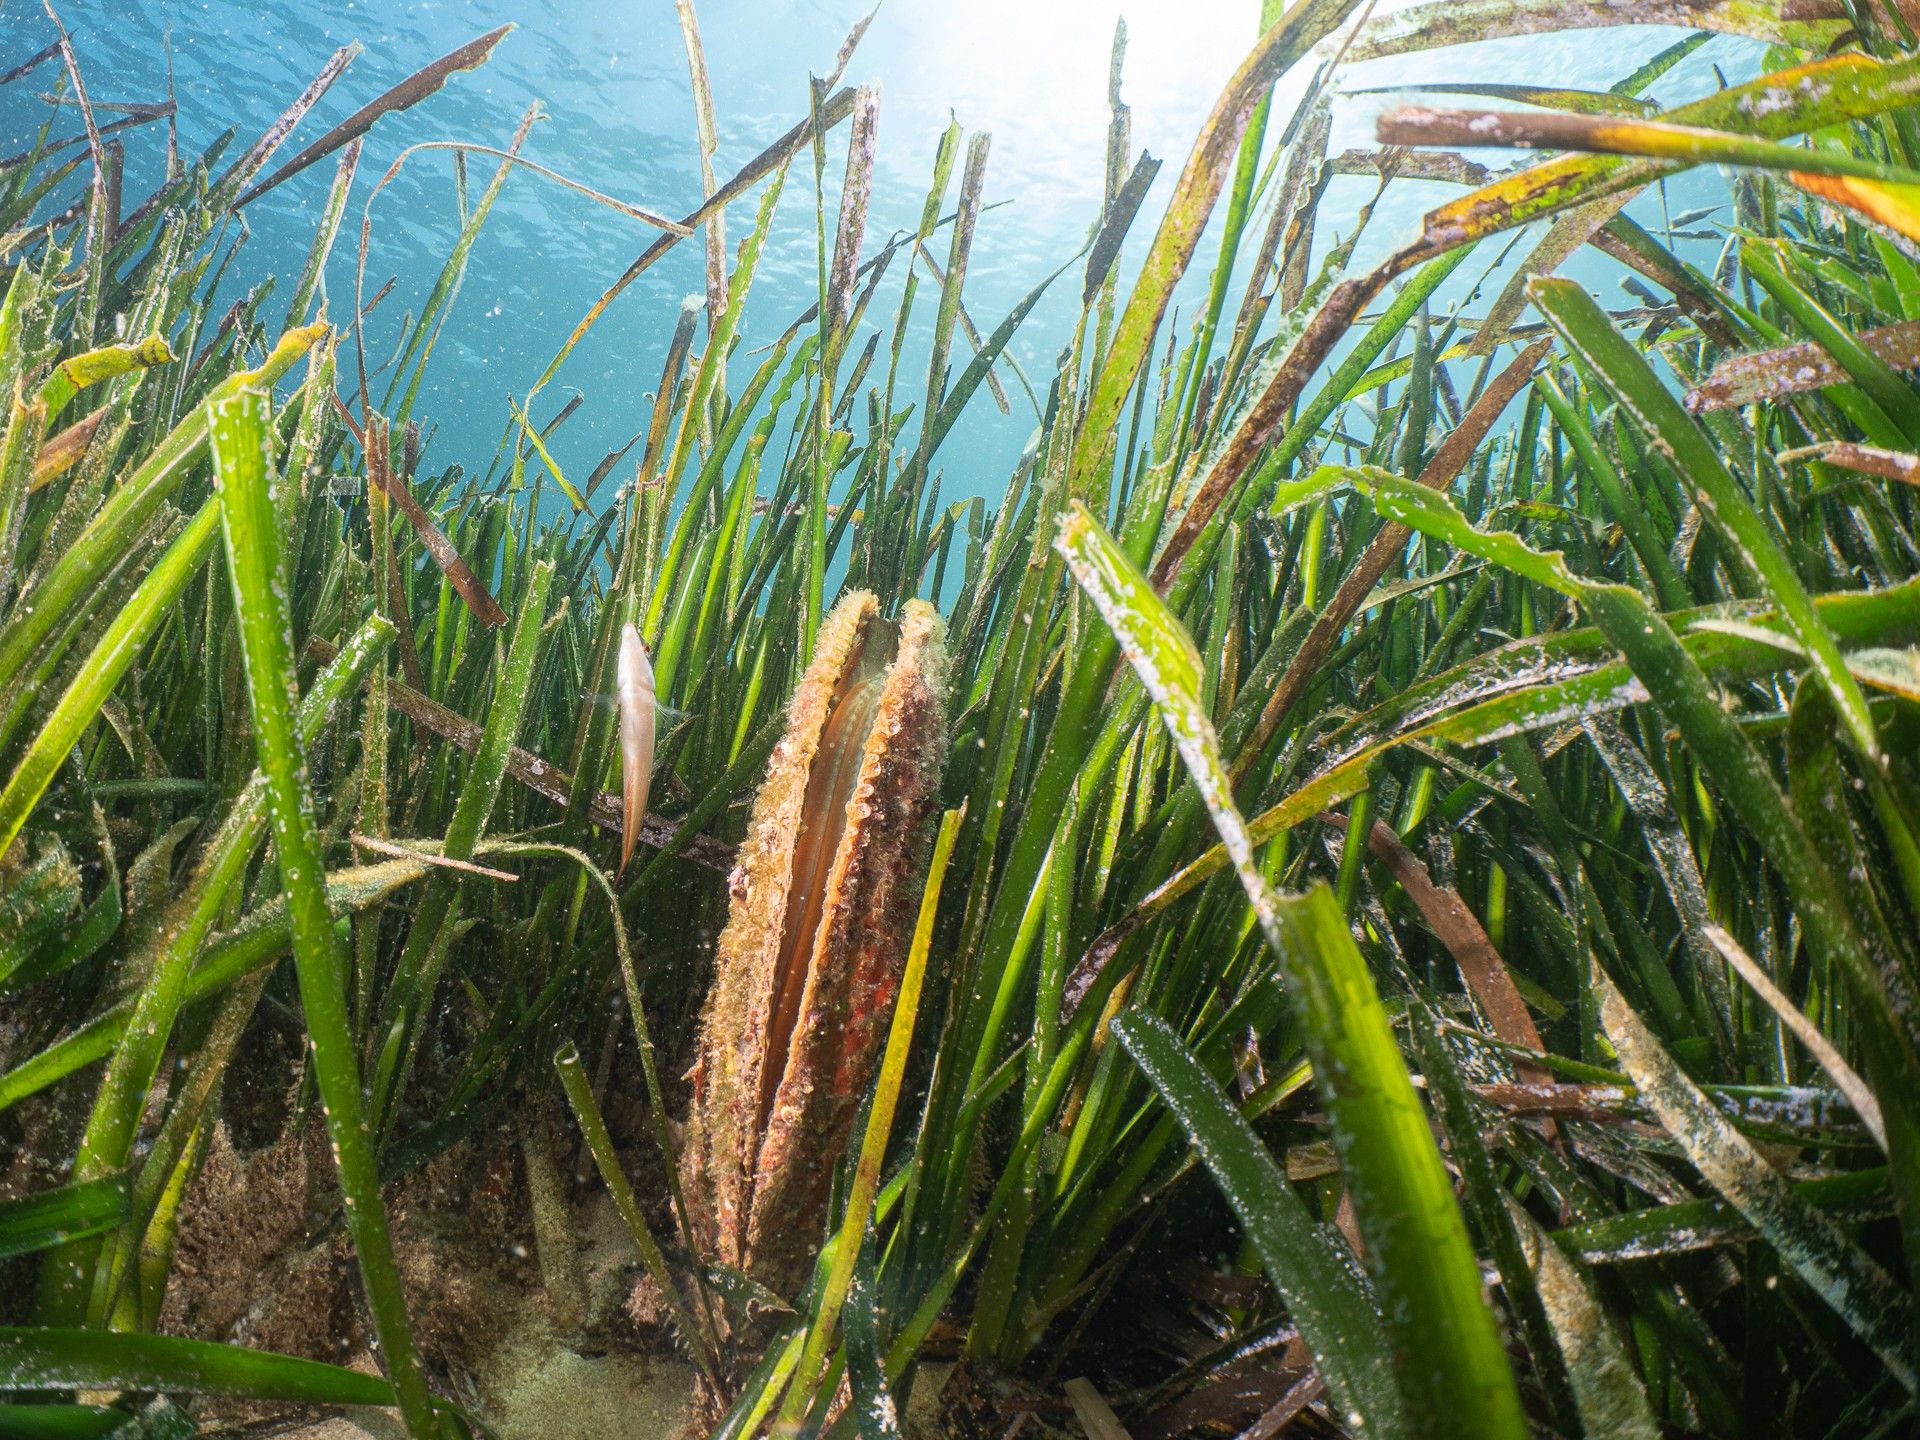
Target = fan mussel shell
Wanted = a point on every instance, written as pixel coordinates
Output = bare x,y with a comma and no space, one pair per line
824,897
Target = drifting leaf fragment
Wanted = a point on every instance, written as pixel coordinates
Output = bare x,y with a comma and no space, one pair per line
635,696
415,88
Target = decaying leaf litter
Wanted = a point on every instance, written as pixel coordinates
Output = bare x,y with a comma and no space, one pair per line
1372,892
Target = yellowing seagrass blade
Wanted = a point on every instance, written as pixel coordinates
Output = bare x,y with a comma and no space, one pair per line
634,688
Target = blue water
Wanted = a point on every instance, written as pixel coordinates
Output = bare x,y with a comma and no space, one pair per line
613,84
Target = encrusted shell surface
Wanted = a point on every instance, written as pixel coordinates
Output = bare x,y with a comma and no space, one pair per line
761,1146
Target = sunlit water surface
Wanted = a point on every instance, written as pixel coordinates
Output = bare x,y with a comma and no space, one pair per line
612,83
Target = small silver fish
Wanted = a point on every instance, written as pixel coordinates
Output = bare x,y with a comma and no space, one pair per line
634,691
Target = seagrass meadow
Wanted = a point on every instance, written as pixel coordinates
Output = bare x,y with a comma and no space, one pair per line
1370,887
